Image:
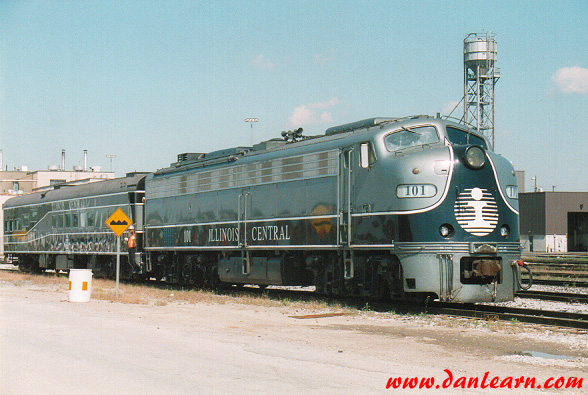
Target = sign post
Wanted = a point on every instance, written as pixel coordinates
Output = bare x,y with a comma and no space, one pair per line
117,263
118,222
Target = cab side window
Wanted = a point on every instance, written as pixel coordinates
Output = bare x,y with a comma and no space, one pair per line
461,137
367,157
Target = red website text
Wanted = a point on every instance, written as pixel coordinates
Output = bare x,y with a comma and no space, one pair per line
485,381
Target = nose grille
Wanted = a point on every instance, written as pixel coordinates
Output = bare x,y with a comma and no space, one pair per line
476,211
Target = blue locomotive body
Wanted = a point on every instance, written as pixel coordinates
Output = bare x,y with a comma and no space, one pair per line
414,206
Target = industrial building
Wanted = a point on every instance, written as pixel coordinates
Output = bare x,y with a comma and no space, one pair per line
23,181
554,221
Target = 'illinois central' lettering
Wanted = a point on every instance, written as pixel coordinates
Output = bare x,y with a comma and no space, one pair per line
258,233
262,233
223,234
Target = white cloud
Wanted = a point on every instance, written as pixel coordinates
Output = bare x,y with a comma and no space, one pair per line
326,104
326,117
571,80
261,62
302,115
311,114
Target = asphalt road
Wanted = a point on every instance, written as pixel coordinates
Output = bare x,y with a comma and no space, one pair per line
51,346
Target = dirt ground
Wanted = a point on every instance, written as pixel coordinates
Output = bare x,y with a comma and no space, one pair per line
288,348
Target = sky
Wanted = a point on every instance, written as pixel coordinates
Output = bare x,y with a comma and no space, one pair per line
147,80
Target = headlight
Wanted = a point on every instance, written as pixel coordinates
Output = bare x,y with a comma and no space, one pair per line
446,230
475,157
504,231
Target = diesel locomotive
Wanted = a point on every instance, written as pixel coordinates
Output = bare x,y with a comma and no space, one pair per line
385,207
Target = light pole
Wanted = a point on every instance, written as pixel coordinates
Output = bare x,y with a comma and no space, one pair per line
251,121
111,157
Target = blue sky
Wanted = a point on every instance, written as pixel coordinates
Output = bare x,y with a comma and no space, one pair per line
146,80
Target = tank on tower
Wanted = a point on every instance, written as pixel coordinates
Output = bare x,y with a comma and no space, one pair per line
480,77
479,51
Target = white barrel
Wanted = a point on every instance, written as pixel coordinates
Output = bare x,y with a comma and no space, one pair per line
80,285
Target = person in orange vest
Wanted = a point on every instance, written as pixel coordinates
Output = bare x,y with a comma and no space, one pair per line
132,248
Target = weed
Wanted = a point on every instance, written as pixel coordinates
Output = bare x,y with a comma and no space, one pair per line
427,303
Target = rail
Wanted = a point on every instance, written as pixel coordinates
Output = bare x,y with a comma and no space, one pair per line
559,272
481,311
533,316
568,297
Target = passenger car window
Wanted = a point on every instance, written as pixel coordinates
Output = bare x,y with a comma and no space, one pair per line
461,137
410,137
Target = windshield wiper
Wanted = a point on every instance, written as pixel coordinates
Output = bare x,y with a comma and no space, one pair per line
410,130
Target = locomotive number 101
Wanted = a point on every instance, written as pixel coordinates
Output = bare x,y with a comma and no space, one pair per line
416,190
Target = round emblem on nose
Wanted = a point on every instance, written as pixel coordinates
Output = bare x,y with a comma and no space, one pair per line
477,194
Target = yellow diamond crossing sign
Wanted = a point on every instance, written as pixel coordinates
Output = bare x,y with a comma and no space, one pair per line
118,222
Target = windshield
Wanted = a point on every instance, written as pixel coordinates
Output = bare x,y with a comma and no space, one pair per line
461,137
410,137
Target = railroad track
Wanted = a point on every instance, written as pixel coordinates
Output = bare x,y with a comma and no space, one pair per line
487,312
560,283
551,257
558,272
567,297
468,310
533,316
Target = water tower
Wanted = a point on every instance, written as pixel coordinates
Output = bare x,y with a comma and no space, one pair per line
480,77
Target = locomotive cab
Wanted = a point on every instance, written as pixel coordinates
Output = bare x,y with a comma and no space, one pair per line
456,211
